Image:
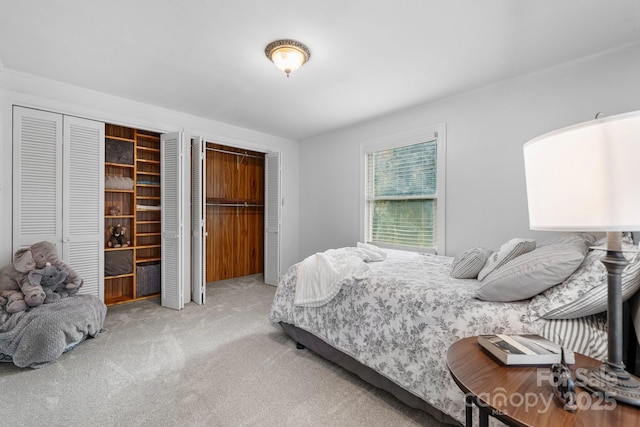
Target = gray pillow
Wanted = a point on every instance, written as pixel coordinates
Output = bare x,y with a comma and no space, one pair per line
531,273
468,264
582,240
585,292
117,263
508,251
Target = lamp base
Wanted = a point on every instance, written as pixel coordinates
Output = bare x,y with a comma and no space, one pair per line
611,382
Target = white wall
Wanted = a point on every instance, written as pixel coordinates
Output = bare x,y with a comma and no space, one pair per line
486,129
21,89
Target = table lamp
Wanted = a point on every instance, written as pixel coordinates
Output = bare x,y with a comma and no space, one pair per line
587,178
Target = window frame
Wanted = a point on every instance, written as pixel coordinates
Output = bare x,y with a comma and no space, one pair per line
416,136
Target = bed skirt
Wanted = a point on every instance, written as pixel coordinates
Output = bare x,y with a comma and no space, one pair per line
323,349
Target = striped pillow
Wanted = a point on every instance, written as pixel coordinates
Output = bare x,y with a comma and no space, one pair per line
585,292
468,264
507,252
585,335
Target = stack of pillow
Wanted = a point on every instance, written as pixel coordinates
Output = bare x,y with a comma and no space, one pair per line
563,278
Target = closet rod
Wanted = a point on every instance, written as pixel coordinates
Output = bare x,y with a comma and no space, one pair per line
235,153
239,206
235,205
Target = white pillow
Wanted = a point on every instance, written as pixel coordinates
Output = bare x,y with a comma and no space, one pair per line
468,264
508,251
585,292
531,273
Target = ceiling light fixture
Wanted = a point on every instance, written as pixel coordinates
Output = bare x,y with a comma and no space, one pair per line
288,55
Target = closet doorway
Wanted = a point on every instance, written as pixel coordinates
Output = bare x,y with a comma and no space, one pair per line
235,198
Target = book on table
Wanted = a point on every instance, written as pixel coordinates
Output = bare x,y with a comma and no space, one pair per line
524,349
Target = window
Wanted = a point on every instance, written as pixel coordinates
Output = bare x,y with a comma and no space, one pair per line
404,192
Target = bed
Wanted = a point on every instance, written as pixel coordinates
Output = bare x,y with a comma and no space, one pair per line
393,323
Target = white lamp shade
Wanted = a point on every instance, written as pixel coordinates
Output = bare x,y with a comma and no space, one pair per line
586,177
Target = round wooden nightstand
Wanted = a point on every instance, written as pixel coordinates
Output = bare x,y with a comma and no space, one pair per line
523,395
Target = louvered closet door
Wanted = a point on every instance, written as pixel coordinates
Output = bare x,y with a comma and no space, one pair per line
198,214
37,177
272,219
58,186
83,207
172,285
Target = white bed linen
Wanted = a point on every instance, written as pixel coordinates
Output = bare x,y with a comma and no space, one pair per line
320,276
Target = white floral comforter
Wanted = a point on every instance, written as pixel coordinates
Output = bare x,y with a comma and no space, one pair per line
401,320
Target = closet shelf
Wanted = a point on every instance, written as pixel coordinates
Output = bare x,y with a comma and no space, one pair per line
117,216
148,149
112,190
147,136
235,153
119,165
119,138
147,246
153,162
119,276
150,259
120,300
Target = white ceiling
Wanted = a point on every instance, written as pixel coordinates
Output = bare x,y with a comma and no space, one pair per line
369,58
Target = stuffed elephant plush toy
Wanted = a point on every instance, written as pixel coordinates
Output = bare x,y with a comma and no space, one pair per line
15,286
12,301
49,278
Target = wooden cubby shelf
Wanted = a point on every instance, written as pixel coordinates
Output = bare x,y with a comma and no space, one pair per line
141,260
140,167
111,190
119,165
120,138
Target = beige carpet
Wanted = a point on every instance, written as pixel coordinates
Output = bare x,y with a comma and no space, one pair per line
221,364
